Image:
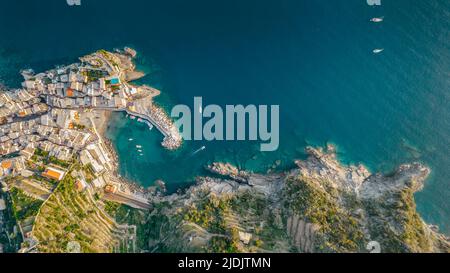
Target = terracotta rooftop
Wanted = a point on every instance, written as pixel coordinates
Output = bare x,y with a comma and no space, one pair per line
53,174
6,164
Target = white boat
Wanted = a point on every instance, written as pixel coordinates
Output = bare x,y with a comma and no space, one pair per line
140,151
377,19
200,109
132,117
138,146
378,50
150,126
130,139
198,150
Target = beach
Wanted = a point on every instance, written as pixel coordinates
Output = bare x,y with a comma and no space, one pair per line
101,120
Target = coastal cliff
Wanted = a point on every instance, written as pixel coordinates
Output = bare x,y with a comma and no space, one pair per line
319,206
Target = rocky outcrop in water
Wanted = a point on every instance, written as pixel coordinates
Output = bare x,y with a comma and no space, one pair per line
229,171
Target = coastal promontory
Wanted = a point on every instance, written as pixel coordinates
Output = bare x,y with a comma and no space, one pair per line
319,206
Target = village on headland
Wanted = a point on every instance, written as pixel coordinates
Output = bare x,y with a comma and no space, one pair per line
51,129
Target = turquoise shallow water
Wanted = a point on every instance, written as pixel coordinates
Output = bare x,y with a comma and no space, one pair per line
313,58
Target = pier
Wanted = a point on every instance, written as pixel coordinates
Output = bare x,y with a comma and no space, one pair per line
144,117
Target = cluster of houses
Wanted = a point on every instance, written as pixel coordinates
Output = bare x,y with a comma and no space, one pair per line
44,114
77,86
52,132
19,104
15,137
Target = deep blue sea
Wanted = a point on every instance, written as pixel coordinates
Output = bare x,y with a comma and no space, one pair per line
313,58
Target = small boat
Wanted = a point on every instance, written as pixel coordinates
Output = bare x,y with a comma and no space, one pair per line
200,109
141,154
150,126
132,117
140,120
130,139
377,19
378,50
138,146
198,150
140,151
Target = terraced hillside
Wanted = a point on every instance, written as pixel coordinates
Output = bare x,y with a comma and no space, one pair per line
242,222
70,216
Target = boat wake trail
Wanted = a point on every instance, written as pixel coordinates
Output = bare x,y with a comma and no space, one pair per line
198,150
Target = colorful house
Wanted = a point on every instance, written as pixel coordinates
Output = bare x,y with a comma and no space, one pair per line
53,173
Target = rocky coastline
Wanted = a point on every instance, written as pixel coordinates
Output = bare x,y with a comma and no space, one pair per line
319,206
